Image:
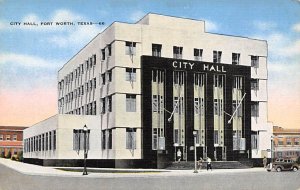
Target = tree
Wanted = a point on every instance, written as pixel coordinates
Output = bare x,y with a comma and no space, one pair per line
298,160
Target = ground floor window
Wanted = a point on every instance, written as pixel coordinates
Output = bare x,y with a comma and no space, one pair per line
78,139
130,138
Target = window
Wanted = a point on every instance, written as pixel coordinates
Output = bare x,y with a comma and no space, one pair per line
82,70
156,50
103,78
94,110
46,144
235,58
154,139
109,143
94,59
216,136
176,136
50,140
239,112
255,84
103,139
7,137
254,61
82,91
196,106
109,49
43,142
109,75
130,103
130,48
217,56
109,103
254,141
130,74
198,54
95,83
1,137
288,141
177,52
280,141
78,139
103,105
87,64
130,138
255,109
40,143
297,141
14,137
103,54
216,107
154,103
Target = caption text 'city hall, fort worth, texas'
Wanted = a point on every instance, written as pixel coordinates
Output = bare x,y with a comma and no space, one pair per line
142,89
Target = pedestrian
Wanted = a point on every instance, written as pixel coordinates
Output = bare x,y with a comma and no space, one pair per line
265,160
209,164
178,155
200,161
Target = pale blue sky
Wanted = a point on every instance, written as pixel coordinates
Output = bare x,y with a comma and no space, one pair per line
31,56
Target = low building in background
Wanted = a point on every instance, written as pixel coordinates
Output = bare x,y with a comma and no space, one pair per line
11,140
286,143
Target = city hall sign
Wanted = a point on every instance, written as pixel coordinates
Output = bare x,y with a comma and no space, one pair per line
205,67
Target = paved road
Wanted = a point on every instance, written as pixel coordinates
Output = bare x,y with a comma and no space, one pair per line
12,180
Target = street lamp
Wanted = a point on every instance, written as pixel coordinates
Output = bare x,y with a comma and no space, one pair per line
195,150
272,138
85,130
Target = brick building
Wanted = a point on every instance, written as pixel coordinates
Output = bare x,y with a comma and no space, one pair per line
286,143
11,139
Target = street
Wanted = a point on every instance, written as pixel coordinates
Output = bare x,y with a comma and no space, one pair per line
13,180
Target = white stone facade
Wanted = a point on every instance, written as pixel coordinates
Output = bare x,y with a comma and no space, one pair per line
92,85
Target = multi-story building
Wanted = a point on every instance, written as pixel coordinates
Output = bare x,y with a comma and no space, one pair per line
147,86
11,140
286,143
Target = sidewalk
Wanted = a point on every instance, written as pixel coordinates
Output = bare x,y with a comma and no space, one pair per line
30,169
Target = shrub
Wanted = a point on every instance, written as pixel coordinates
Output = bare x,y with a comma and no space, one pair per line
20,156
2,155
8,155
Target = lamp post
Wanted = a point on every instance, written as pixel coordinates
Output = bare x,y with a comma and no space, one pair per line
272,138
85,129
195,151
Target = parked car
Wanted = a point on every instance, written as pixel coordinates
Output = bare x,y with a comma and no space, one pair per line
281,164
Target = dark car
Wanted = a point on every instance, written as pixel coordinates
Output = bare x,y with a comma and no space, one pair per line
284,164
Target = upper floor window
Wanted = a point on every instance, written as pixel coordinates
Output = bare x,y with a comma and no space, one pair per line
288,141
130,103
103,78
109,49
109,75
255,109
7,137
14,137
109,103
1,137
130,48
156,50
198,54
130,74
297,141
103,54
254,84
235,58
254,61
177,52
94,59
103,105
217,56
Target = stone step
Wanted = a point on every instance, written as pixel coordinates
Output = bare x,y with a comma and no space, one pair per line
183,165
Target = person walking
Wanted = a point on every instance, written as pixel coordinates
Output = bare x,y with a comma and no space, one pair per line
265,160
200,162
178,155
209,164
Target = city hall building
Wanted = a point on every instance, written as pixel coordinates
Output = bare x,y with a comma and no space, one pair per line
145,89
